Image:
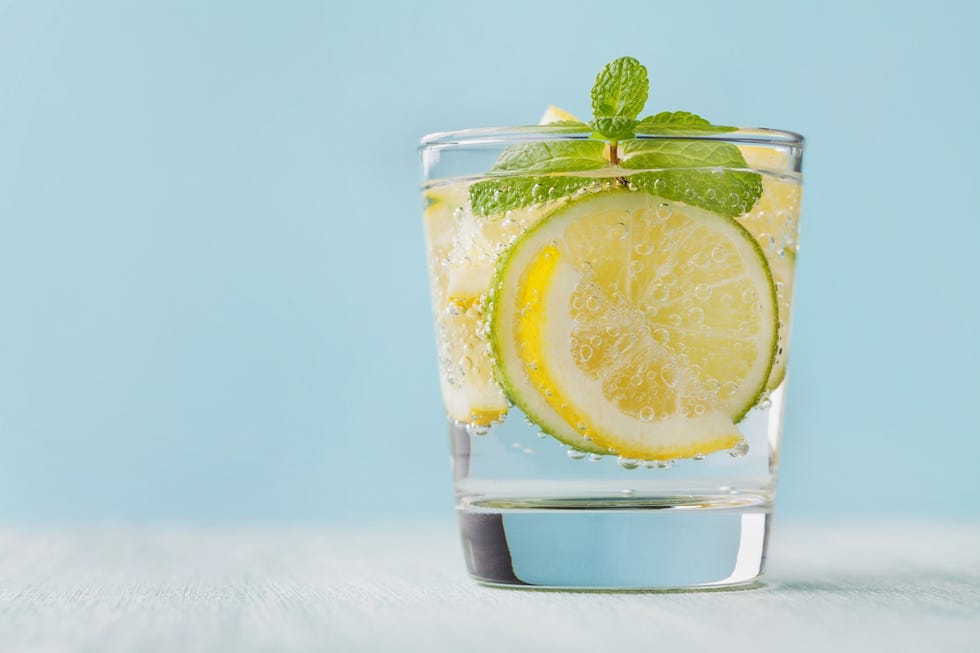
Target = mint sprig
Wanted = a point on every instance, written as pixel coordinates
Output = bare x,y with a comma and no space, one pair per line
704,173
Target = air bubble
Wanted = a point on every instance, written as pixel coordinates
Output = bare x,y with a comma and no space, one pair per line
719,254
646,413
740,449
698,456
702,291
542,435
592,303
700,259
627,492
767,241
575,454
619,231
477,429
527,450
636,380
594,458
695,316
669,375
628,463
765,404
661,335
699,409
585,353
625,343
644,249
665,464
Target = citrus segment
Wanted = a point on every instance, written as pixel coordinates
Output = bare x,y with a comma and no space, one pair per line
643,327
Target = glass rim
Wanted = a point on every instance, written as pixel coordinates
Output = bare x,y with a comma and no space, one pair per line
506,135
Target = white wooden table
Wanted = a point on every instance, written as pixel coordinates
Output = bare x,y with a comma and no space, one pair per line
861,587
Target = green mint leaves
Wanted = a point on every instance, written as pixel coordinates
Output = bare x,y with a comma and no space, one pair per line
702,173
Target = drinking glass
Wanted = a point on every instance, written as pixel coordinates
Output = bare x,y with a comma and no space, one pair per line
612,359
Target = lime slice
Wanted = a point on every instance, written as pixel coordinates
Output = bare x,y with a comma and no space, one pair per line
634,325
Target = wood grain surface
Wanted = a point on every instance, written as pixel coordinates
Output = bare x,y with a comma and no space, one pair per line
855,587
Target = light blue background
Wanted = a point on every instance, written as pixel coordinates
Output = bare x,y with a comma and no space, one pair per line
213,302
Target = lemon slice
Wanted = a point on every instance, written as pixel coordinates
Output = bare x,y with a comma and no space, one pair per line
463,250
774,222
556,114
469,391
644,328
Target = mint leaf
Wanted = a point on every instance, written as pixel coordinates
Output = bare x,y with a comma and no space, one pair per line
504,194
641,153
728,192
696,172
495,196
551,156
615,128
621,89
679,123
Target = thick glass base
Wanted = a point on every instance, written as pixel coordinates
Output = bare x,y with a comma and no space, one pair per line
629,548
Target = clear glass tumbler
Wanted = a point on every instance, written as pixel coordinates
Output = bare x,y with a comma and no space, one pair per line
612,354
